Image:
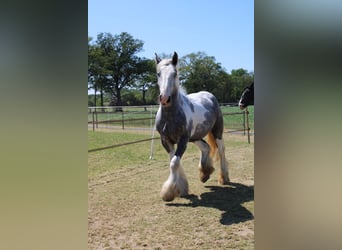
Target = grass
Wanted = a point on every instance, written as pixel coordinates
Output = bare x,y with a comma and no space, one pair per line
105,161
125,210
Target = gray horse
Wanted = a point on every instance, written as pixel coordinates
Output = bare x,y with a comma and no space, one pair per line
185,118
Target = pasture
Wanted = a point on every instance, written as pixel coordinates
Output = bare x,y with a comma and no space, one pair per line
139,117
125,210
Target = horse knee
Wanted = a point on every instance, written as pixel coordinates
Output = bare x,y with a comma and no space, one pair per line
174,163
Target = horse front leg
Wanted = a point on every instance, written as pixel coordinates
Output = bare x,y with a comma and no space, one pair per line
169,147
176,184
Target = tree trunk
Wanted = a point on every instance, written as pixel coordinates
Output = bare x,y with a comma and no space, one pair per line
101,95
144,98
95,90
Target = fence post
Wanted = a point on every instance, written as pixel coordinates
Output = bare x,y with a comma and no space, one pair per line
244,122
93,120
97,125
151,113
153,129
247,123
123,119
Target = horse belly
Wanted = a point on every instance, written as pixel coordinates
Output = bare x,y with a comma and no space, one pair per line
202,122
204,115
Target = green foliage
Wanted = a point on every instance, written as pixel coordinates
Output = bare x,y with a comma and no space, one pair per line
199,71
240,78
146,81
113,64
115,69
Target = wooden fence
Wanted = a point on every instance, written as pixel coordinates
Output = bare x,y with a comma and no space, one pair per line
143,117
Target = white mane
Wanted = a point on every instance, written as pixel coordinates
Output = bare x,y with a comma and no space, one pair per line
181,89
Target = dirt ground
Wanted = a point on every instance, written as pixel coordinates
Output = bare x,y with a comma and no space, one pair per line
125,210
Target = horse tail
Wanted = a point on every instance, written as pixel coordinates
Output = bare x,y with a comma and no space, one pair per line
213,147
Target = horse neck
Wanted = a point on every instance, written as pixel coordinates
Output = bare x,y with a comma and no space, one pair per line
176,96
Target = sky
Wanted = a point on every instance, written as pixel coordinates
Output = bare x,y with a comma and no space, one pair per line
220,28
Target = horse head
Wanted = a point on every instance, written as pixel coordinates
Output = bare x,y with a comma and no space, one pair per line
168,81
247,97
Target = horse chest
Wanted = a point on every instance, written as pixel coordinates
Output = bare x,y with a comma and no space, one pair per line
172,125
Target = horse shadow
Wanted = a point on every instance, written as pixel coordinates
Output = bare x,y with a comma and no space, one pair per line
228,199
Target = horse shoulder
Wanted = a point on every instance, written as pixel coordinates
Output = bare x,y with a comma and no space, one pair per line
158,118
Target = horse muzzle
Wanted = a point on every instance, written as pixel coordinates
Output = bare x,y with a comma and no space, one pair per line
164,100
242,106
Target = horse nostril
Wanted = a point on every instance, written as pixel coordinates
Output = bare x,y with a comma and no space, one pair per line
164,99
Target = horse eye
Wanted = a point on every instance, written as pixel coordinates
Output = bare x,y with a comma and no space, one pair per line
158,74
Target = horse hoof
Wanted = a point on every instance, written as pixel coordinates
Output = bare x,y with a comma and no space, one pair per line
169,192
204,178
168,198
223,181
205,174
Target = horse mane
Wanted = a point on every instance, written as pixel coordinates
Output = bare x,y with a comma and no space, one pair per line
181,90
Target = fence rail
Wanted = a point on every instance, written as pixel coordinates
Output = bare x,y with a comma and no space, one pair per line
143,117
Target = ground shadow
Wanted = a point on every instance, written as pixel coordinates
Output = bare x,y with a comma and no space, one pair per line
228,199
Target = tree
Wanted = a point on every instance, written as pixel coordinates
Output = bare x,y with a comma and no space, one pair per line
147,78
93,68
122,64
97,71
113,65
240,79
199,71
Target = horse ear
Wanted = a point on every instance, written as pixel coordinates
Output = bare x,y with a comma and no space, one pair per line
157,59
174,58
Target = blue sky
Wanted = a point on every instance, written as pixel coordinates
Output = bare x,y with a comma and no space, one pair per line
220,28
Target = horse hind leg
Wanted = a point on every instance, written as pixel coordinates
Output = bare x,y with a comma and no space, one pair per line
223,177
216,139
176,184
205,165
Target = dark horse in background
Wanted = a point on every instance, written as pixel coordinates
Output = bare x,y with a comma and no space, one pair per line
183,118
247,97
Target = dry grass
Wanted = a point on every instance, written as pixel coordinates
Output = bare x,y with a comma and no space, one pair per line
125,210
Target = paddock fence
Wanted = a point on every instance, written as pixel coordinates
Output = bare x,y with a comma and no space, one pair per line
143,118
